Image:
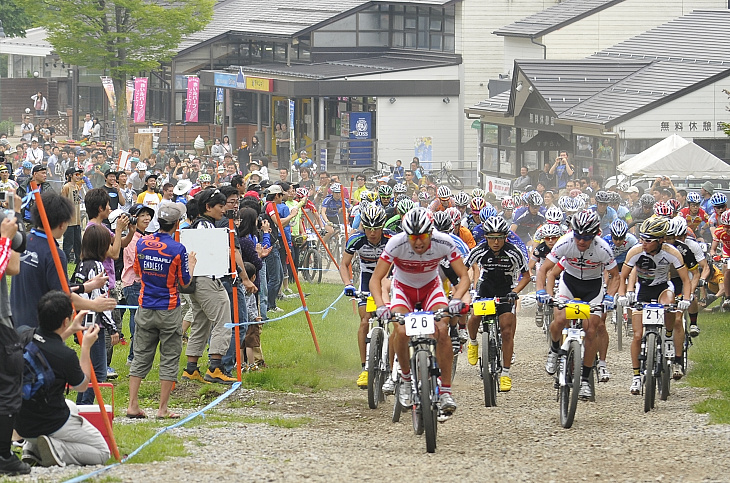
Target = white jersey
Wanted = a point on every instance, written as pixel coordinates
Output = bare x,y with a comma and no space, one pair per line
587,265
696,249
654,269
416,270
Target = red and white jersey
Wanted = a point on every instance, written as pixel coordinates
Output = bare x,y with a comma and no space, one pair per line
418,270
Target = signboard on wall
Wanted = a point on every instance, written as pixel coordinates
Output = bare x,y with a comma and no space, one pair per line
498,186
423,150
361,148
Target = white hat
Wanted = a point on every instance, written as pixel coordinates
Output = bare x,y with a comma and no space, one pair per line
114,216
182,187
141,166
275,189
632,189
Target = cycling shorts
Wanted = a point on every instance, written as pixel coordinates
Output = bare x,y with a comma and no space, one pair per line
364,286
649,293
501,308
427,297
589,291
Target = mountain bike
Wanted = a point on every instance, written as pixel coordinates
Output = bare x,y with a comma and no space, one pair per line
446,176
420,326
310,259
490,359
376,362
572,351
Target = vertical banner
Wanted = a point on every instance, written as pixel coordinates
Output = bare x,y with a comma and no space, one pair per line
130,96
191,106
219,99
140,98
361,148
292,142
108,85
125,162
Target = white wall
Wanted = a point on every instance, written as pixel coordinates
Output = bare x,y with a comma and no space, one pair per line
400,123
450,72
707,104
520,48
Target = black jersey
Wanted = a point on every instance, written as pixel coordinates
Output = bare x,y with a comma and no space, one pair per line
500,271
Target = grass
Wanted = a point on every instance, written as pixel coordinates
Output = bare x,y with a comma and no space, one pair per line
712,365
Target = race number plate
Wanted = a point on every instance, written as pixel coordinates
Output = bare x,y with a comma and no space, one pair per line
653,314
311,236
420,323
485,307
370,305
577,310
727,263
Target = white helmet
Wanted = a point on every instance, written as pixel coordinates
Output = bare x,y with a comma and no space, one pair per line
418,221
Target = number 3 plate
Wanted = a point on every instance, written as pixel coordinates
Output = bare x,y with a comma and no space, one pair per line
653,314
370,305
420,323
577,310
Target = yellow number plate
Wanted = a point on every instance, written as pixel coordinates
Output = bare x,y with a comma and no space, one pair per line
485,307
575,310
370,305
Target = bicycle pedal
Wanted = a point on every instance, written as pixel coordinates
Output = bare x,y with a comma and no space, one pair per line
443,417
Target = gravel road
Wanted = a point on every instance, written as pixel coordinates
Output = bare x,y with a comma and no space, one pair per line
520,440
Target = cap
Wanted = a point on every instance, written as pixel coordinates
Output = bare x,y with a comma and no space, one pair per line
253,161
252,194
204,178
70,171
106,174
221,169
37,168
182,187
134,160
5,142
82,153
114,216
490,196
27,165
632,189
708,186
139,208
141,166
275,189
171,212
257,173
149,176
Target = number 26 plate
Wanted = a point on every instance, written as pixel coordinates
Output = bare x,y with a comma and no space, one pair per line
420,323
653,314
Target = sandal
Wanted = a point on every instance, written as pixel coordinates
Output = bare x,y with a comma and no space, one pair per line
139,415
169,415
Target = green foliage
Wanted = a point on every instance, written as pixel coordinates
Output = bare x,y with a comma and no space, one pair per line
711,365
7,127
15,20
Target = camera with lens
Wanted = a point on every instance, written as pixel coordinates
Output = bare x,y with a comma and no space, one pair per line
18,242
132,220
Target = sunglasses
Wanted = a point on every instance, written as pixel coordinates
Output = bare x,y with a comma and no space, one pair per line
551,238
372,228
583,237
422,236
496,237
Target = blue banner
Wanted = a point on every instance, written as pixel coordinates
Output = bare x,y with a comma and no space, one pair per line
361,153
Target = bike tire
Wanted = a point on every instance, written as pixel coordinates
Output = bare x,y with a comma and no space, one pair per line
649,376
304,266
592,380
427,395
569,392
455,181
374,367
665,376
417,409
397,408
453,367
489,379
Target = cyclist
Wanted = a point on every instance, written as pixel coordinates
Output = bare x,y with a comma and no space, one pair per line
622,212
662,209
643,211
385,193
696,217
620,241
394,222
550,234
368,244
460,230
366,197
444,200
650,261
508,207
721,235
476,205
605,212
719,205
583,258
695,260
525,224
332,205
478,230
502,264
462,203
416,254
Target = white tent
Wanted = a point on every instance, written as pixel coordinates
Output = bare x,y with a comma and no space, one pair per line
675,156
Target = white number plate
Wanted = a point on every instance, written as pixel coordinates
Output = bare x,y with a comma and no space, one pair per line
311,236
653,314
420,323
574,333
727,263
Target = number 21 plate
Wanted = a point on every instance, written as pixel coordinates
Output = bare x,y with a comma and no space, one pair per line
653,314
420,323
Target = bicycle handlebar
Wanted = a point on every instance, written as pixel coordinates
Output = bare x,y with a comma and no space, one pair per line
438,315
640,305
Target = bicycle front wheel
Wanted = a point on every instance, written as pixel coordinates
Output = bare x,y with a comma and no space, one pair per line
427,393
397,408
649,375
569,392
375,375
455,181
489,379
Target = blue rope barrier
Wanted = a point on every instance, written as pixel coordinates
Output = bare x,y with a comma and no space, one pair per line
190,417
293,312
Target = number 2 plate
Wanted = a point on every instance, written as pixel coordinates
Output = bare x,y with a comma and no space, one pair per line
485,307
653,314
370,305
575,310
420,323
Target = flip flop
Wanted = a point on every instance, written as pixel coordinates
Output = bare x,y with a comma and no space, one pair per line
169,415
139,415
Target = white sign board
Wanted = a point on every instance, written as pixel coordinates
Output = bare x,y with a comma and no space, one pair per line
498,186
211,250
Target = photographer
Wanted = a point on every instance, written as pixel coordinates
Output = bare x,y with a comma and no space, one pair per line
562,169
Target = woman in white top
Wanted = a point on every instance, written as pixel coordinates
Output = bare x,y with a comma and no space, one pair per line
217,150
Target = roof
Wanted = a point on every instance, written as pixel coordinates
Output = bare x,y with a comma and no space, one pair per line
34,43
670,156
390,62
282,18
554,18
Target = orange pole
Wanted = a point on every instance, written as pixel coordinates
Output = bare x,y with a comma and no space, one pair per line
352,180
332,257
64,283
236,319
296,277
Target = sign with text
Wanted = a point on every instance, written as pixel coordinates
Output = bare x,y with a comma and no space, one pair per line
259,84
498,186
193,96
140,98
108,85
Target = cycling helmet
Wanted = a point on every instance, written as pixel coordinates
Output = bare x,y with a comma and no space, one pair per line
549,230
563,202
336,188
418,221
477,193
603,197
619,228
404,206
443,192
487,211
477,204
373,216
370,196
461,199
442,222
615,198
677,226
508,204
718,199
400,188
495,224
584,196
662,209
647,200
385,191
204,178
623,186
674,205
694,197
654,228
455,215
725,218
586,222
423,196
302,192
574,193
534,199
554,215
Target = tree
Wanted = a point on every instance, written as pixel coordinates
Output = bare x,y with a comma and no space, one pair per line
15,20
122,37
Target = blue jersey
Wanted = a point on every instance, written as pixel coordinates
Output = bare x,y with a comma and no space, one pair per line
161,262
607,218
619,252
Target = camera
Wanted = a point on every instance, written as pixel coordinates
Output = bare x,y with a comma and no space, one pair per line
89,320
18,242
132,220
231,214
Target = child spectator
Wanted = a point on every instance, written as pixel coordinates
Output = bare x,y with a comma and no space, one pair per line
252,342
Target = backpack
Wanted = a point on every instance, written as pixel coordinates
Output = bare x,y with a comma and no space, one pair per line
37,372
